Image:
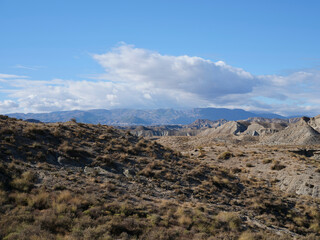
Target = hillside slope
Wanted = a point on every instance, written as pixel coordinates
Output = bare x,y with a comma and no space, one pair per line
83,181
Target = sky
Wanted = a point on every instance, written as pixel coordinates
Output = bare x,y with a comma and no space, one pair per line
261,56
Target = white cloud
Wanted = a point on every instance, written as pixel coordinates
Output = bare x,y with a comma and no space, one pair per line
151,70
44,96
33,68
8,106
8,76
139,78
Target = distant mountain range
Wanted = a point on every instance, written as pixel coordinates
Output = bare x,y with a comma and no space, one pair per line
125,117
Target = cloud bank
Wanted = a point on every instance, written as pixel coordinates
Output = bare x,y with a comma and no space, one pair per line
194,75
139,78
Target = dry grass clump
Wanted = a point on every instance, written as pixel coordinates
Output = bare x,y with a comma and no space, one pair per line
247,235
35,129
229,221
267,161
24,182
7,131
277,166
73,152
202,152
39,201
250,165
225,155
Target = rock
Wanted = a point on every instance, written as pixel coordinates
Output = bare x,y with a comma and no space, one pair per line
61,160
129,173
88,170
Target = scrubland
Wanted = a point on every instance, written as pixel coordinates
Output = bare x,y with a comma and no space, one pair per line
82,181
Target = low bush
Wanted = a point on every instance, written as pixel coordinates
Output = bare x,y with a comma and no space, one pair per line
225,155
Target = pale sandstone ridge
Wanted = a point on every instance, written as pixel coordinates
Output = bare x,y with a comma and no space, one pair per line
205,123
315,123
175,130
250,127
304,132
229,128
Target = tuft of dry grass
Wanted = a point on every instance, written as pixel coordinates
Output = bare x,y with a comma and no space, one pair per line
277,166
24,182
225,155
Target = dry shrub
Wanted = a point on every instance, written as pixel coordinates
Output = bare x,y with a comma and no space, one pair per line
35,129
167,155
56,132
277,166
97,232
3,197
25,182
266,161
236,170
228,221
20,198
39,201
28,231
247,235
249,165
65,147
225,155
141,143
64,197
154,219
185,221
54,223
105,160
6,131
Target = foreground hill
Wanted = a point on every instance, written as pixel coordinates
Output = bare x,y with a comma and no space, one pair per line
83,181
125,117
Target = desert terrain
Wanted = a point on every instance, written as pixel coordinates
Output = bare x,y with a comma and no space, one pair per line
254,179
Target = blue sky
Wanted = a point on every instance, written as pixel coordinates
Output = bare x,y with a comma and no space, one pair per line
68,49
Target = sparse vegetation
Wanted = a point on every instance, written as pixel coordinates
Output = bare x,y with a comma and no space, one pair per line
84,181
277,166
225,155
267,161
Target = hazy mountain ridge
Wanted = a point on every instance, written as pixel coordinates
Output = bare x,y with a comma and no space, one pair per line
125,117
